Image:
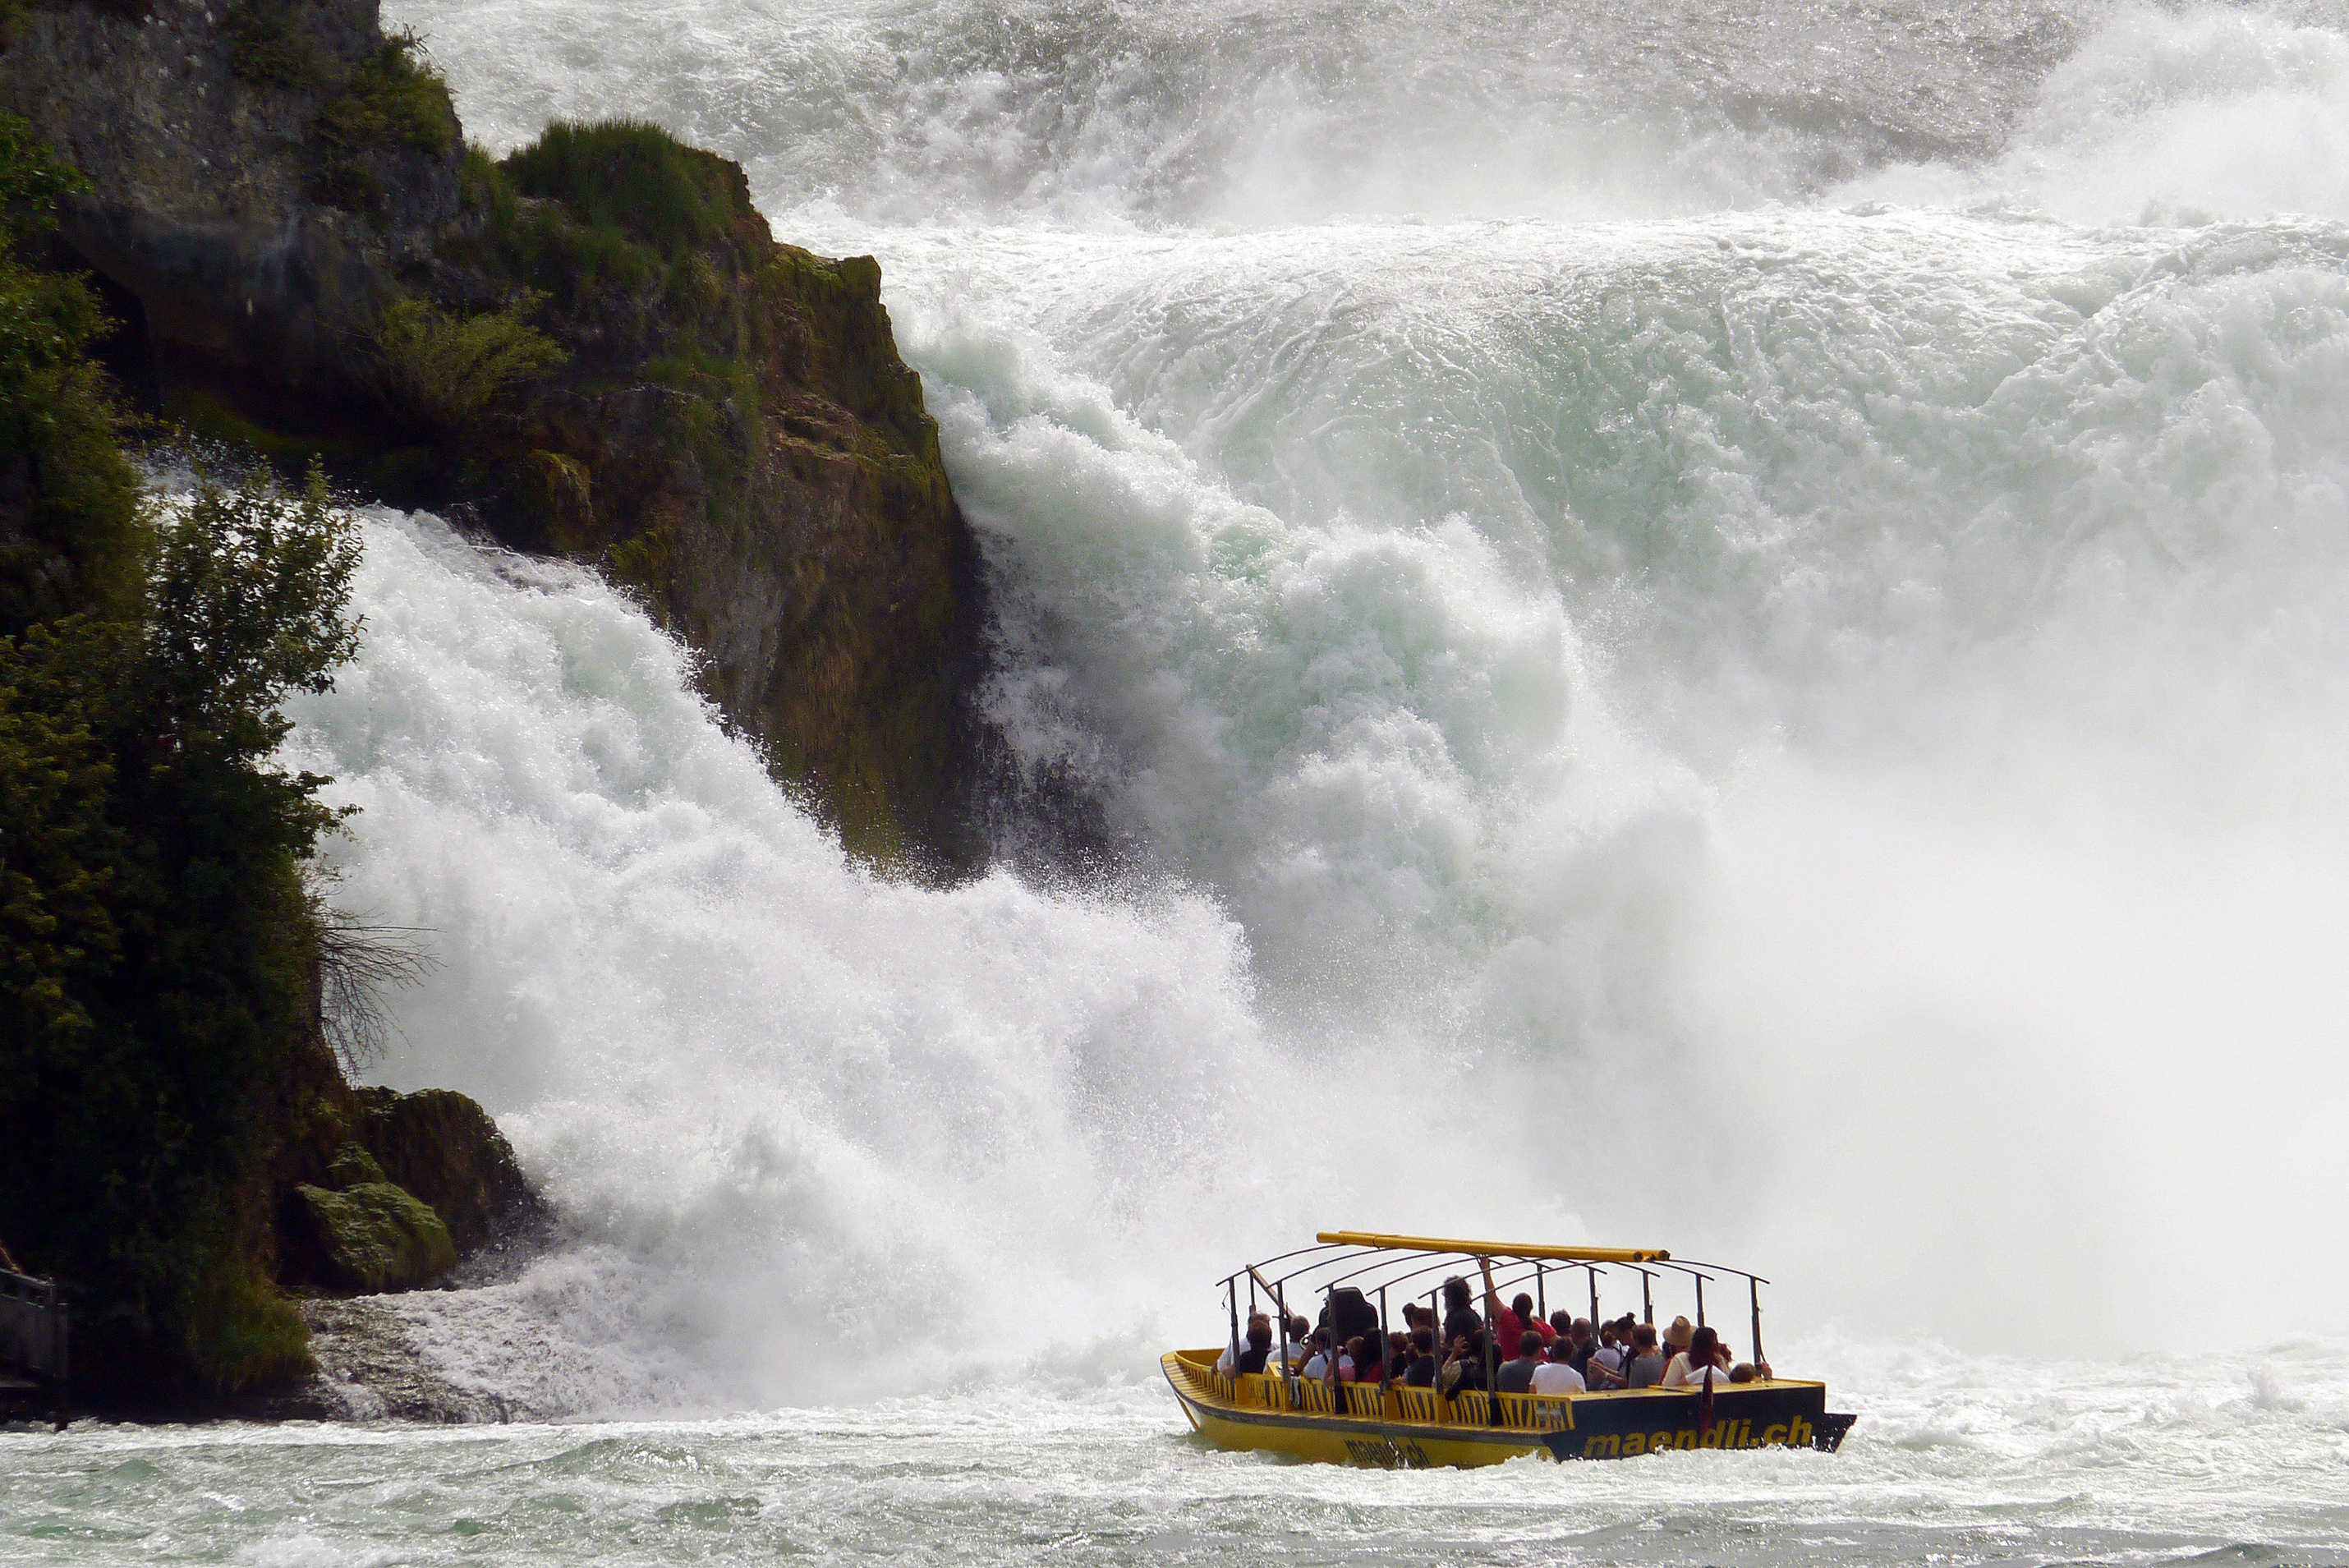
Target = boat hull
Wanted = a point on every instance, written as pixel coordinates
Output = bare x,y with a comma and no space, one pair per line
1268,1415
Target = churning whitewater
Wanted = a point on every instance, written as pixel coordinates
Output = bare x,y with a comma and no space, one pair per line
1724,628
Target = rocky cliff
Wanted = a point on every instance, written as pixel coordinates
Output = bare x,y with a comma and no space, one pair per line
595,346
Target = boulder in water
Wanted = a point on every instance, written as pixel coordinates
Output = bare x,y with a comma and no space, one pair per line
373,1236
442,1146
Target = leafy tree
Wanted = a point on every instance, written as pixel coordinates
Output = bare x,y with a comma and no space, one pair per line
158,947
154,925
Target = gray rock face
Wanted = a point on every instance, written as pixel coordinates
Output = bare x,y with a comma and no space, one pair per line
733,434
207,203
370,1368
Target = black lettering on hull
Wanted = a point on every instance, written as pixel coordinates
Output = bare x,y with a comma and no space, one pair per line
1609,1429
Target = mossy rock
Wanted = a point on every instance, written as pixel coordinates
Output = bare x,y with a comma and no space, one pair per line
354,1167
444,1148
375,1237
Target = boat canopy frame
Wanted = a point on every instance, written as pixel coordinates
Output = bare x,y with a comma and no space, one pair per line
1372,1254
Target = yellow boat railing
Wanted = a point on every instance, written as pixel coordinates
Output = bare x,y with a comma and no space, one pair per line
1368,1401
1421,1405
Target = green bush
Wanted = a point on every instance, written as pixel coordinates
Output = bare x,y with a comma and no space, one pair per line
393,100
268,47
158,941
246,604
619,209
635,178
445,370
69,501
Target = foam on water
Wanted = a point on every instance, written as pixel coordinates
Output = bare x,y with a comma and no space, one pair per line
1992,1460
2168,117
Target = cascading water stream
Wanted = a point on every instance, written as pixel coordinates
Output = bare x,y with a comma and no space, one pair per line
1739,669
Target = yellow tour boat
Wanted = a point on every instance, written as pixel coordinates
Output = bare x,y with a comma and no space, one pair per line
1282,1411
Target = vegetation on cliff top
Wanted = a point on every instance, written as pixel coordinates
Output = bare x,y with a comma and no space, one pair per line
157,940
388,97
69,503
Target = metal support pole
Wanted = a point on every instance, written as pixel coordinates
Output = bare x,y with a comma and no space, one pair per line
1754,1286
1280,1305
1647,1297
1232,1295
1541,1292
1594,1302
1492,1333
1700,1301
1435,1338
65,1363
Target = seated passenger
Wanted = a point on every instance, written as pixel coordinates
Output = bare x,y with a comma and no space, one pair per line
1466,1368
1557,1376
1317,1361
1701,1362
1517,1373
1250,1358
1580,1343
1645,1367
1287,1358
1361,1362
1419,1371
1603,1367
1742,1373
1561,1321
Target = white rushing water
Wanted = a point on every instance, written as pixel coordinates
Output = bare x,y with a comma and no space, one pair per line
1720,628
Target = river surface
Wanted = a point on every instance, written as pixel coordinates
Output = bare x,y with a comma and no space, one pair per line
2226,1459
1716,626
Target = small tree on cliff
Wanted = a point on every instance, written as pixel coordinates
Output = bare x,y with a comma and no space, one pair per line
154,932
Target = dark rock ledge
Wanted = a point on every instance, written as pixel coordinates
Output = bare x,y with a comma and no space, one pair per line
593,348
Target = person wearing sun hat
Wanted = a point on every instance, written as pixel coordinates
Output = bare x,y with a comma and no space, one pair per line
1677,1338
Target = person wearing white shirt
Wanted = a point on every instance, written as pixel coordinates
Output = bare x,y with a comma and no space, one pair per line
1249,1357
1557,1376
1688,1368
1319,1367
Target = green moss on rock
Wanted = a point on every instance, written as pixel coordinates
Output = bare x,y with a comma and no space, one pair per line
443,1147
376,1236
353,1167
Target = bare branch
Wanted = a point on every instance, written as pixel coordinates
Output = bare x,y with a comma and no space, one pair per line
357,964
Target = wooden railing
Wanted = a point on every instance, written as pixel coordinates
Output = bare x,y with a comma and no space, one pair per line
35,1346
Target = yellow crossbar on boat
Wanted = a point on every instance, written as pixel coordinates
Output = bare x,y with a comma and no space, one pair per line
1495,1249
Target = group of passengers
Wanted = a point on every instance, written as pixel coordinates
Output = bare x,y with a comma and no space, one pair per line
1563,1355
